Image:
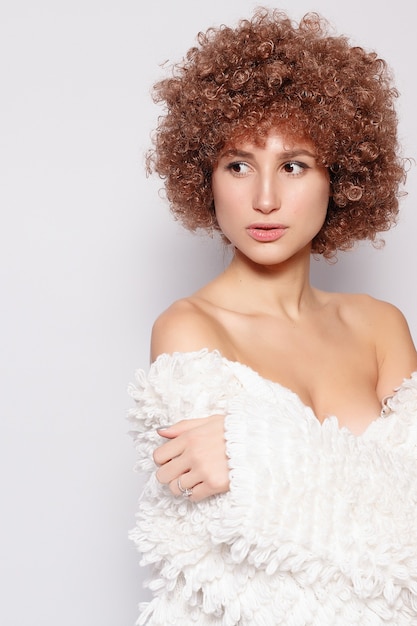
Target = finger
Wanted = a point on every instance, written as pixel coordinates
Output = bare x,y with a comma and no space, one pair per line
175,444
169,450
199,491
170,471
183,485
181,427
165,431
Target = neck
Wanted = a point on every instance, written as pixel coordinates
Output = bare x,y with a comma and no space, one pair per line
285,287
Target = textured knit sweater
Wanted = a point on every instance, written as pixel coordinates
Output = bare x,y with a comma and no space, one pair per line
319,526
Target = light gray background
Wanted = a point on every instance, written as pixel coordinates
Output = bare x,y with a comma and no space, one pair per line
90,256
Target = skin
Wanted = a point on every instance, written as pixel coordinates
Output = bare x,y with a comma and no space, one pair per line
341,353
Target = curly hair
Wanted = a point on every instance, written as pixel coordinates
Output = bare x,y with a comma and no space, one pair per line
268,72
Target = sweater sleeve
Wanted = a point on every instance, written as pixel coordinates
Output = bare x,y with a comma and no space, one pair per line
171,533
176,387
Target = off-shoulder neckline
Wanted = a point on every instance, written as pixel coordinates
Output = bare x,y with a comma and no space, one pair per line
248,370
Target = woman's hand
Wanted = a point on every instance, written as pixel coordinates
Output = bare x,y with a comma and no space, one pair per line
196,455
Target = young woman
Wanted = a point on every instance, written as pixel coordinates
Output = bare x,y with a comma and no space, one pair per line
278,422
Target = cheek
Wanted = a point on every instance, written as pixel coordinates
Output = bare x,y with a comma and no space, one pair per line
227,200
217,183
218,199
321,198
311,207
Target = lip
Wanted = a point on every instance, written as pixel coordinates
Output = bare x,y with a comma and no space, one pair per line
266,232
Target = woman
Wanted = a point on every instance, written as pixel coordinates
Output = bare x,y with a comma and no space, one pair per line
283,490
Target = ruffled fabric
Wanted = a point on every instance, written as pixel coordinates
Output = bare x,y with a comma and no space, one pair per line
319,526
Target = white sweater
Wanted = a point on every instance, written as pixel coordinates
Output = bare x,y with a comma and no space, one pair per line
319,526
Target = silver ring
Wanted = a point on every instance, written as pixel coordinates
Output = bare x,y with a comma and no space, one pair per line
185,492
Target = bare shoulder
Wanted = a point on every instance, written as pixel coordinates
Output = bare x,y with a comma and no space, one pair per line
386,326
384,318
184,327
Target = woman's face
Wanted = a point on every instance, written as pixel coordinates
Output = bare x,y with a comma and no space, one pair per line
270,201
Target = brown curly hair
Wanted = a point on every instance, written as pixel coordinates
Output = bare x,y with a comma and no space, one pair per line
267,72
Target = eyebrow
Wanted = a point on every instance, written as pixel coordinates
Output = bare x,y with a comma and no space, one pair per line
286,154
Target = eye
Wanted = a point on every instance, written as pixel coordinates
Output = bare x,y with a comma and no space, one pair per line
294,167
238,167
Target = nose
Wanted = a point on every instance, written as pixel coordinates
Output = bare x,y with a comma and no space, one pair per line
266,197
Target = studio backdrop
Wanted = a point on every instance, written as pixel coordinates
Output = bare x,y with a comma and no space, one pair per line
90,256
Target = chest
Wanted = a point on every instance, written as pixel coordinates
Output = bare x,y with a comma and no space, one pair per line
329,365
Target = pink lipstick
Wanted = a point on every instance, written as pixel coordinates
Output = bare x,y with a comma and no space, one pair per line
266,232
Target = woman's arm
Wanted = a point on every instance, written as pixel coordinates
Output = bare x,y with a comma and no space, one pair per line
396,353
194,450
